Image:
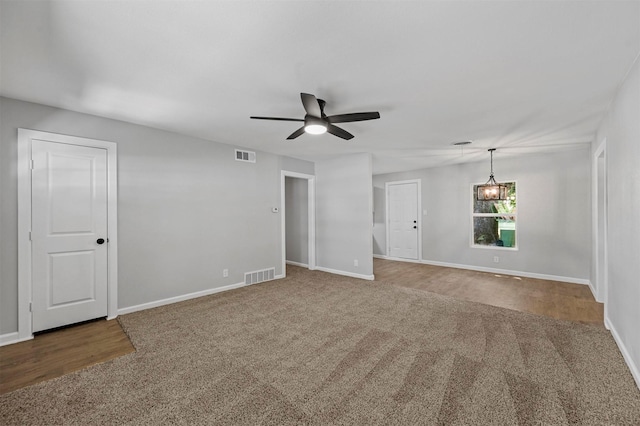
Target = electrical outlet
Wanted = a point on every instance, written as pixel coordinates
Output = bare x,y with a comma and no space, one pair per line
355,262
496,259
225,273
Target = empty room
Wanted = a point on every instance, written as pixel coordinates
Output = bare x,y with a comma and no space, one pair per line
319,212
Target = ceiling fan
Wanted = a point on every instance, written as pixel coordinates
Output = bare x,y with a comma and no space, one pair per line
317,122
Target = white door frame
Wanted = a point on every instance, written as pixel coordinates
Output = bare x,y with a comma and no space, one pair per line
311,195
601,287
25,137
419,212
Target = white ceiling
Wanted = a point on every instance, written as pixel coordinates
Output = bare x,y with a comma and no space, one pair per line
522,76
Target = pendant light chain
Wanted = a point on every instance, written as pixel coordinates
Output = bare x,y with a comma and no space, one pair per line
491,190
491,163
491,180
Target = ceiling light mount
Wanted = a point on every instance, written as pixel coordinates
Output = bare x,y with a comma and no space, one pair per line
314,125
491,190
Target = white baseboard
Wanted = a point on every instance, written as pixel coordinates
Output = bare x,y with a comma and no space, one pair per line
397,259
11,338
345,273
302,265
594,293
176,299
635,372
491,270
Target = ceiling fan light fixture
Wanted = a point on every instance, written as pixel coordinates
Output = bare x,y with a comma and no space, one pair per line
315,126
316,122
315,129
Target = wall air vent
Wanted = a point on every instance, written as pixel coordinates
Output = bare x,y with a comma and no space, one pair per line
260,276
246,156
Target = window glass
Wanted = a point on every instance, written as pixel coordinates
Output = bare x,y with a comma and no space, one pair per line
494,221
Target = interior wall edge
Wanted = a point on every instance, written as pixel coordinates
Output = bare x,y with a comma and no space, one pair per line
628,359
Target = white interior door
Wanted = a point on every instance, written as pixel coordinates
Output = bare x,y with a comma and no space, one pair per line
402,199
69,234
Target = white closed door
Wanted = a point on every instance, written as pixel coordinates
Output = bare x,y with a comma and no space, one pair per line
68,233
403,220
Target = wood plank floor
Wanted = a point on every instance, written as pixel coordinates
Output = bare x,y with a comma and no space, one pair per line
572,302
60,352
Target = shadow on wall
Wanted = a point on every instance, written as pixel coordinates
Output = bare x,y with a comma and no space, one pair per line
379,210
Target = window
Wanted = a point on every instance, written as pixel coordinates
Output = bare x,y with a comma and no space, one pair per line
494,221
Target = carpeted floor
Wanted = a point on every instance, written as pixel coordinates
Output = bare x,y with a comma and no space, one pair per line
317,348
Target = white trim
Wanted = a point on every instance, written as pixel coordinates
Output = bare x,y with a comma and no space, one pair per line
419,212
176,299
593,291
478,246
492,270
345,273
302,265
311,209
599,289
24,221
24,230
635,371
11,338
396,259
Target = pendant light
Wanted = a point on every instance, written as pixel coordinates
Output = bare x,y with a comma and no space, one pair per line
491,190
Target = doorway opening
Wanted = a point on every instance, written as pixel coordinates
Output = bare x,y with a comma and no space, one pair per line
297,210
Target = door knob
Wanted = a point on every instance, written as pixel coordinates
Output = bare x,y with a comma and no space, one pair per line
100,241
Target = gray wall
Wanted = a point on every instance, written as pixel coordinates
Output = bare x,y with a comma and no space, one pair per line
554,220
186,208
343,214
622,132
296,165
297,220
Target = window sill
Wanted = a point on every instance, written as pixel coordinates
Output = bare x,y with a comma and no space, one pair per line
493,247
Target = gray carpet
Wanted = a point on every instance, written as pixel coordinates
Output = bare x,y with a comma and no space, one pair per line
316,348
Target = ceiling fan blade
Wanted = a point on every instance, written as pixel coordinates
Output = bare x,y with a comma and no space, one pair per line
311,104
337,131
296,133
277,118
356,116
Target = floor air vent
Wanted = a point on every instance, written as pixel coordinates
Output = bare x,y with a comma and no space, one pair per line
259,276
246,156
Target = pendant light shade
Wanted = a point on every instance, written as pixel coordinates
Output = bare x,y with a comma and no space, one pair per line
491,190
